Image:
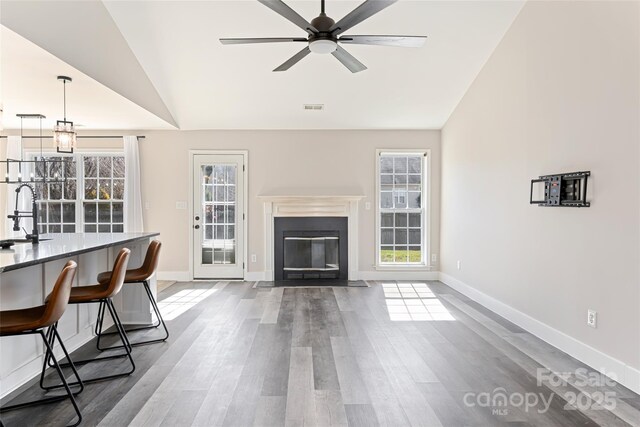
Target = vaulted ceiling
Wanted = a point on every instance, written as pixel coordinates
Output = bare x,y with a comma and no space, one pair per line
159,64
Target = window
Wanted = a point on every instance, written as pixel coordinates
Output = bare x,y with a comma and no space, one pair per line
103,202
401,208
92,198
57,201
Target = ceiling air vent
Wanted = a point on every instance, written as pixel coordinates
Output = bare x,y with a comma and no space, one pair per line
313,107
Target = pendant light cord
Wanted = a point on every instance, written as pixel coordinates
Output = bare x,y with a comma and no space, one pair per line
322,6
41,138
64,98
21,132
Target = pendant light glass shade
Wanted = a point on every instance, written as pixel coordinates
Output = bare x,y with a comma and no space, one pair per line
64,137
64,134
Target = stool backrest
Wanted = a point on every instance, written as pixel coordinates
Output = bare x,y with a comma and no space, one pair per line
150,264
118,272
59,297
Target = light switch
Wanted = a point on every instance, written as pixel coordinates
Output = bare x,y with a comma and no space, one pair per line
367,206
181,204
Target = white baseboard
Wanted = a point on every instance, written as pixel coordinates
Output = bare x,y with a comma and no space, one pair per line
624,374
398,275
178,276
254,276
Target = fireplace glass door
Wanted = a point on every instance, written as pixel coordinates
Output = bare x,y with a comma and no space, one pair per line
315,257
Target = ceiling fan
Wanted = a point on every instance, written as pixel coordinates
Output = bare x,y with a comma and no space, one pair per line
324,34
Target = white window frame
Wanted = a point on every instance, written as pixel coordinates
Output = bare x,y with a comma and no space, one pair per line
80,178
426,211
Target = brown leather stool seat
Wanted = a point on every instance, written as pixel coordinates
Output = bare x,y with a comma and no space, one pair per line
137,275
35,320
26,319
103,293
140,275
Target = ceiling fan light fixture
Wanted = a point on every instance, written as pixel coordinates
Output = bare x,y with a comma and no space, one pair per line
323,46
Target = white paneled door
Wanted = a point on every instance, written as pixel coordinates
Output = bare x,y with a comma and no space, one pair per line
218,216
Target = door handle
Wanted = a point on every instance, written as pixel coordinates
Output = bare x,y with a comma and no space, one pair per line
197,218
196,226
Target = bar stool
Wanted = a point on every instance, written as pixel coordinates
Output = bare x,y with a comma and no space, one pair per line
139,275
35,320
103,293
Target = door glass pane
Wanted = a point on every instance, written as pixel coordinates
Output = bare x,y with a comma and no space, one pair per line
218,186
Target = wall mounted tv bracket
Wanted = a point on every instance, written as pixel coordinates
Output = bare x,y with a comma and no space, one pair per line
564,189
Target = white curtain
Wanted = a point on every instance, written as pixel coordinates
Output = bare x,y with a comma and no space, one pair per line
14,152
132,190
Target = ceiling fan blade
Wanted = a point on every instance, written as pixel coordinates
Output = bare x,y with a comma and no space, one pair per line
261,40
400,41
294,59
348,60
282,9
359,14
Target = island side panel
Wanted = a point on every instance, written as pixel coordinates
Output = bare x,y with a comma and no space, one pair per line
19,355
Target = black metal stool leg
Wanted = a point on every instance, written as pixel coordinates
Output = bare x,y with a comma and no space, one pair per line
127,347
51,399
118,323
53,330
99,322
154,303
160,321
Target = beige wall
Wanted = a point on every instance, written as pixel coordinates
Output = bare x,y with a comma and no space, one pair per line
296,160
559,94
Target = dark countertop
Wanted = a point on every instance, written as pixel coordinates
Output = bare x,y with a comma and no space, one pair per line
62,245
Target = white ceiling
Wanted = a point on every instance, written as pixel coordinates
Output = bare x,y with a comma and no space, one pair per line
29,86
206,85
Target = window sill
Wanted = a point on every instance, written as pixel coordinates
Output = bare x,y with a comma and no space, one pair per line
405,267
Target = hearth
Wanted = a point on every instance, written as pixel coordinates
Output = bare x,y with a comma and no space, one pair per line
310,248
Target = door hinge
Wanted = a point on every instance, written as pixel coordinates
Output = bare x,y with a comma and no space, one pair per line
243,265
243,217
243,168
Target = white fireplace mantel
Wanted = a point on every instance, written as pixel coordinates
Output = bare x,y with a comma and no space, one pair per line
321,203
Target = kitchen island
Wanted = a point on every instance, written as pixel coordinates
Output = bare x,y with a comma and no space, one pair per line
27,275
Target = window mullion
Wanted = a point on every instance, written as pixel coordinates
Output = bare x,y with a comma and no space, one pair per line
79,193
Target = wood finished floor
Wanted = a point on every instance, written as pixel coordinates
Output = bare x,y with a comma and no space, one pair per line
392,354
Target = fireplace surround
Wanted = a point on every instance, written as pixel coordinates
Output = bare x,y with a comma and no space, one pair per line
315,203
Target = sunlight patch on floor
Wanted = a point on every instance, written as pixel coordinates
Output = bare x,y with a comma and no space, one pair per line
414,302
173,306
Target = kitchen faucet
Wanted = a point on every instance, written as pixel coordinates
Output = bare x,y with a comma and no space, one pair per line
17,214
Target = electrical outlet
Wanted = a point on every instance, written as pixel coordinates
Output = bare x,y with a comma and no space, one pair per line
181,205
367,206
147,205
592,318
434,257
254,258
458,265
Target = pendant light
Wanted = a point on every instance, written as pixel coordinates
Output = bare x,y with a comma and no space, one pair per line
64,134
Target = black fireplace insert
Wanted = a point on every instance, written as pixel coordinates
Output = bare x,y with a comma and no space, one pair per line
310,248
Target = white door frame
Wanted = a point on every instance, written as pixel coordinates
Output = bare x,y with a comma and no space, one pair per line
245,197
